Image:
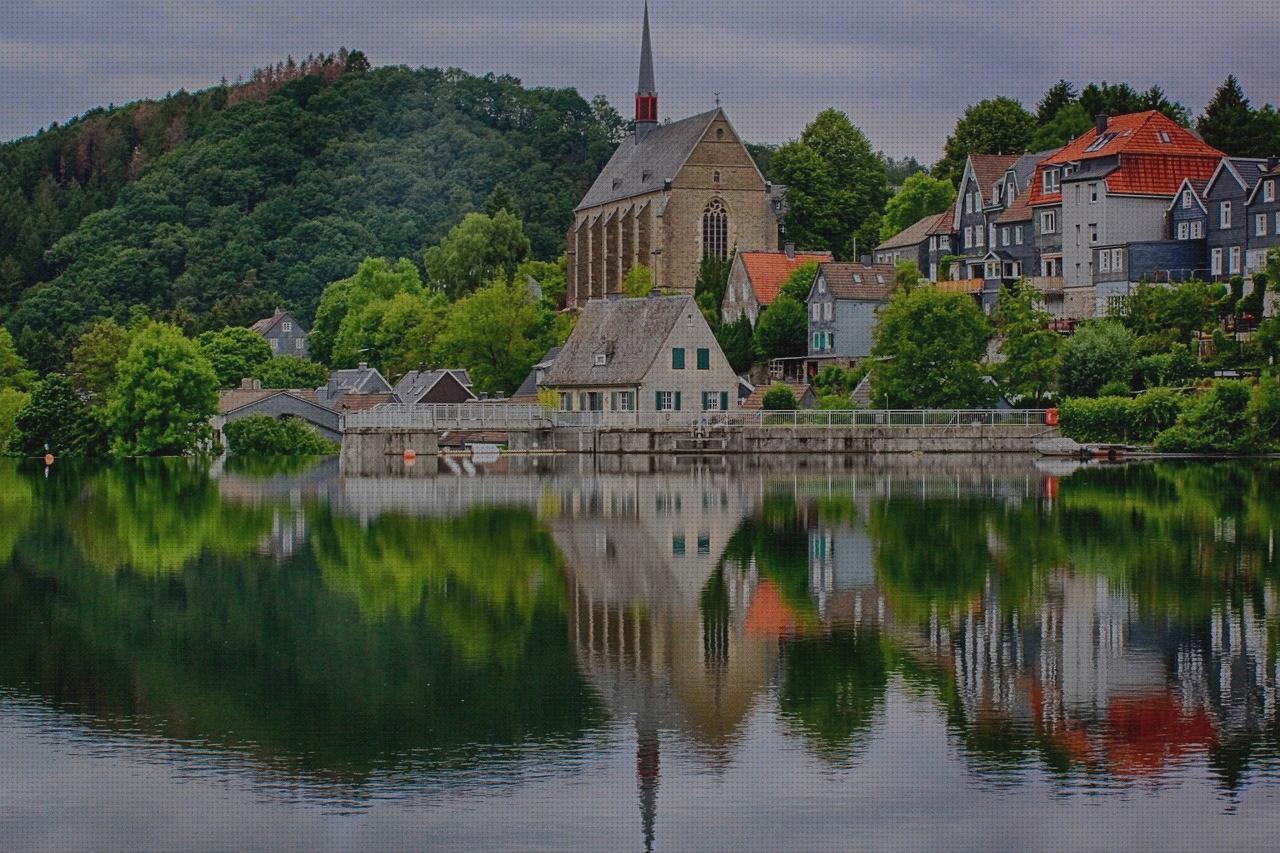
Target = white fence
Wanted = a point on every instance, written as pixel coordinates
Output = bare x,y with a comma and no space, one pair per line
526,416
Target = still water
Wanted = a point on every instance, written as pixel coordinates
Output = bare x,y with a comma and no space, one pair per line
641,653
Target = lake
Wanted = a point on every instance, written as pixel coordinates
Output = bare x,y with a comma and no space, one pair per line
640,653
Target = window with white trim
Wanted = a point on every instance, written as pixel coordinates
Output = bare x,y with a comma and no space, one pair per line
1186,199
275,344
1017,234
968,236
1224,215
992,241
1093,232
815,312
1048,222
1215,262
1260,225
666,401
298,343
1104,261
1049,181
1276,230
1269,191
977,235
1197,229
1093,193
1235,260
826,310
286,327
1117,260
1184,230
1004,235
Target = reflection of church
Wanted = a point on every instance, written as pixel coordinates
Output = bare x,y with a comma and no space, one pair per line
672,194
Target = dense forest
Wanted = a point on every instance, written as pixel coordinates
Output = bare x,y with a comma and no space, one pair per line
210,208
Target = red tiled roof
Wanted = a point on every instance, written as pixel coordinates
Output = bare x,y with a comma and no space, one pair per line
768,270
945,223
1019,211
988,169
1147,164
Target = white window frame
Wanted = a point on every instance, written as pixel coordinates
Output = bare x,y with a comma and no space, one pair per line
1197,229
1093,233
1260,225
991,235
297,343
275,344
1184,230
826,311
1215,262
815,312
1004,235
1117,260
1186,199
1093,192
1224,214
1233,260
566,401
968,236
1049,222
1269,190
1017,234
1104,261
1049,181
978,235
286,327
666,401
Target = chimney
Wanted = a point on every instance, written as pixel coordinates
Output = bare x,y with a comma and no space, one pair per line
790,249
1100,124
364,365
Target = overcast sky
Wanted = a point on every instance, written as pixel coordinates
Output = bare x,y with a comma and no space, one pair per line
902,70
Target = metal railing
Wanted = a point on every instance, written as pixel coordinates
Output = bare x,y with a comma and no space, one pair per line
519,415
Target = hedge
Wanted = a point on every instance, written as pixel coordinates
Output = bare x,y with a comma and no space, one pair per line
267,436
1119,420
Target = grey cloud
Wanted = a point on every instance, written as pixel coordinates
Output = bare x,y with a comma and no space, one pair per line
902,70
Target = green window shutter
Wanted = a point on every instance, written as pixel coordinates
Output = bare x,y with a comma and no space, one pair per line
677,401
704,358
677,358
724,401
657,401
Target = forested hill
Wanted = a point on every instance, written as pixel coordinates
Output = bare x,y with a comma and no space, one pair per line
211,208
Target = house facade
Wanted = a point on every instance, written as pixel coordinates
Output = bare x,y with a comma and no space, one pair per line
843,304
655,354
911,244
283,333
756,277
431,387
1263,210
1229,227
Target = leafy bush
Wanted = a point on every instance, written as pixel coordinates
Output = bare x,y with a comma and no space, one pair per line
1176,367
54,419
782,329
779,398
267,436
290,371
1107,420
1215,422
1099,352
1155,411
1114,389
1264,411
834,402
11,402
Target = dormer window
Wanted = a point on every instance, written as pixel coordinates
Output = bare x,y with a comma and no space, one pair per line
286,327
822,285
1269,191
1186,199
879,279
1049,182
602,359
857,279
617,182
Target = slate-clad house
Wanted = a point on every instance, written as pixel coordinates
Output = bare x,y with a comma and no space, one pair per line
283,333
536,380
941,244
652,354
1263,209
842,304
1188,215
358,380
981,187
1112,186
430,387
755,278
1229,229
251,399
912,243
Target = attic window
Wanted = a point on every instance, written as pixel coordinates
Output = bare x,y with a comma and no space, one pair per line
719,133
617,182
646,175
879,279
857,279
601,359
1164,137
1100,143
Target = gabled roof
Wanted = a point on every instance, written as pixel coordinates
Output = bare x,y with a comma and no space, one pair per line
1272,173
1245,171
641,166
1197,192
628,332
266,324
415,384
237,398
988,170
357,380
873,283
529,387
1019,211
766,271
914,234
944,224
1140,161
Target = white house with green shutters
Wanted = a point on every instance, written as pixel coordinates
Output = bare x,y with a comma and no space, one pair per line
652,354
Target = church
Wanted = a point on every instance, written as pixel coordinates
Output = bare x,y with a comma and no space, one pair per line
672,194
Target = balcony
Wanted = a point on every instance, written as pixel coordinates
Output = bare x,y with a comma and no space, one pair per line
964,285
1047,284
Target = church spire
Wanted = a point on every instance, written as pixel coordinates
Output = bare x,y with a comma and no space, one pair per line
646,94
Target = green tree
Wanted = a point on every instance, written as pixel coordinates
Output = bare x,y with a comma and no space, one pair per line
402,331
927,345
921,195
264,435
1069,123
13,370
1217,421
235,353
476,250
1059,95
1155,99
54,419
550,277
1032,351
290,371
341,333
1099,352
907,274
737,343
96,359
11,402
497,333
835,183
638,281
1228,122
782,329
1107,99
708,289
997,126
164,397
799,281
779,398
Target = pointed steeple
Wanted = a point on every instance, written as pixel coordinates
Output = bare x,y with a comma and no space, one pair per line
646,91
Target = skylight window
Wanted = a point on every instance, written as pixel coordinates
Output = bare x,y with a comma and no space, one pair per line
1100,143
1164,137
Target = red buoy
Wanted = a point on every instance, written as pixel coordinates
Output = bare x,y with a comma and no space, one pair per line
48,459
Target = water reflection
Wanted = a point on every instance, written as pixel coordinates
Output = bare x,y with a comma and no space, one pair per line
1107,627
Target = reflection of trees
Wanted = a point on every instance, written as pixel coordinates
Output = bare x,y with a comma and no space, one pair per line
15,507
479,576
154,516
833,683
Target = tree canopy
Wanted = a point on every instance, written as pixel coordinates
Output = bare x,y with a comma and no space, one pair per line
782,330
474,251
996,126
927,348
1099,353
920,195
164,396
235,353
1031,350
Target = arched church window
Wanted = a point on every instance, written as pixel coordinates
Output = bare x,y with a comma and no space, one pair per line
715,230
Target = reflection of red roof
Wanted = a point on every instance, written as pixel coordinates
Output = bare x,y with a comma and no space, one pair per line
1145,732
1148,165
768,270
769,614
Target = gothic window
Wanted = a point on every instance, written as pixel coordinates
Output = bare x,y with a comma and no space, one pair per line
715,231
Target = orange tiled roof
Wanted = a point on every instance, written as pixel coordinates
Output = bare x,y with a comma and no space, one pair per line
1147,164
988,169
768,270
